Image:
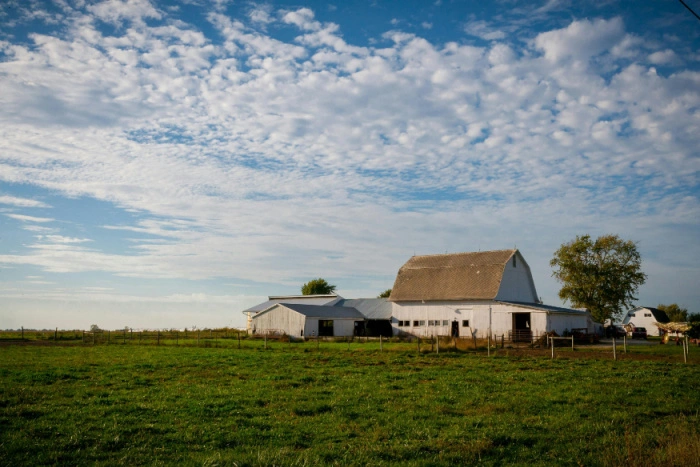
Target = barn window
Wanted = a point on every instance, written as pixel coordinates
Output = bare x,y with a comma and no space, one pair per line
421,323
415,324
445,322
465,323
632,315
647,315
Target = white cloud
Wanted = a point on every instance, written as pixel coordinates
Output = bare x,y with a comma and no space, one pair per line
663,57
581,39
24,218
484,30
22,202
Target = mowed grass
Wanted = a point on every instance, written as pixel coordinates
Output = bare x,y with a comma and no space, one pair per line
294,405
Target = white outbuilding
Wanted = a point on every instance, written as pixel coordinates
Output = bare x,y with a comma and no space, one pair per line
305,320
466,294
646,317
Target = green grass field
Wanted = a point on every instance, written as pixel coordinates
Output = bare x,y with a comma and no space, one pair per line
294,405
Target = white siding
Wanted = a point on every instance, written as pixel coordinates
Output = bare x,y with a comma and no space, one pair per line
517,284
640,320
342,327
279,319
477,312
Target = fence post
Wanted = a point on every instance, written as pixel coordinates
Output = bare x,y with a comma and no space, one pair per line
93,337
140,333
380,343
265,341
317,336
552,341
124,336
197,337
488,345
22,332
348,340
239,339
474,338
685,350
437,345
418,342
614,349
624,342
503,341
177,337
572,342
82,339
158,338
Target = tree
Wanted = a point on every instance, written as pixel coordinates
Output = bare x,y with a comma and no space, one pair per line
384,294
317,287
674,312
602,276
94,328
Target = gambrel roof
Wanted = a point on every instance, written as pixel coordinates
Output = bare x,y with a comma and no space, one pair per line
455,276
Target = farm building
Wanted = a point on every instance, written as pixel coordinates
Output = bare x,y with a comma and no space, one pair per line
460,294
646,317
294,299
303,320
466,294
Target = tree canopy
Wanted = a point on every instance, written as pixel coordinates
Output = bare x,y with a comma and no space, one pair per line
674,312
384,294
601,275
317,287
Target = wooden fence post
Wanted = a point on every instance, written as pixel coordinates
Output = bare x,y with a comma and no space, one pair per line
437,345
624,342
124,336
93,337
572,342
418,342
197,337
614,349
317,341
380,343
265,341
503,341
552,339
22,332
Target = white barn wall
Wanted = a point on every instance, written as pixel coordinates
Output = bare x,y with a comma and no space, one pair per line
477,312
638,318
281,319
517,284
311,328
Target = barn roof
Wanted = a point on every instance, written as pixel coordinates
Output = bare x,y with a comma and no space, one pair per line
371,308
324,312
307,299
543,307
455,276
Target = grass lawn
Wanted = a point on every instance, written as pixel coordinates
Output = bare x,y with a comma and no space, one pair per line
294,405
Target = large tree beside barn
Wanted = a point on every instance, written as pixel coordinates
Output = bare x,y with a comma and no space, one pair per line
317,287
602,275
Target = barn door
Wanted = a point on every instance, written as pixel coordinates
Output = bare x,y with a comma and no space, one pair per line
455,329
325,327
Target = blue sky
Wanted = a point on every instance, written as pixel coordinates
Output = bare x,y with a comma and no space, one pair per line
167,164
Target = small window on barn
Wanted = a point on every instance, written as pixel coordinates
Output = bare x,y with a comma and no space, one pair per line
647,315
465,323
632,315
422,323
415,324
445,322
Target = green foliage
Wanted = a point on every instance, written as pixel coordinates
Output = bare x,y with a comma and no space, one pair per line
602,276
674,312
145,405
317,287
385,294
694,321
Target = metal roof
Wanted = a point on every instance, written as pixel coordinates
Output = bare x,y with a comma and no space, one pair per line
456,276
324,312
304,299
371,308
543,307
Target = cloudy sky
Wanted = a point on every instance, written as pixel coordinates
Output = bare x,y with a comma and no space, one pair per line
169,163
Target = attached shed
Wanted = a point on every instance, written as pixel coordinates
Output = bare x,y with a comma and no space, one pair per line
321,299
377,313
302,320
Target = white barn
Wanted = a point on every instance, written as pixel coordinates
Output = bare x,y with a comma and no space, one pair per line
465,294
645,317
